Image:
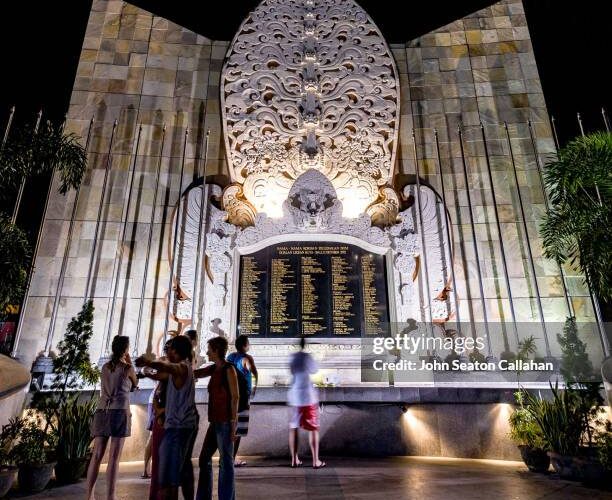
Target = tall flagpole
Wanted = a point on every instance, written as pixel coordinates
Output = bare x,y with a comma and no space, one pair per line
449,232
36,246
24,178
568,301
119,254
528,244
175,238
423,252
9,124
88,291
475,243
149,241
201,232
502,248
62,275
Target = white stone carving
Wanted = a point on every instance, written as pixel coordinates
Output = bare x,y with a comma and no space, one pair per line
312,206
405,247
214,285
436,251
310,84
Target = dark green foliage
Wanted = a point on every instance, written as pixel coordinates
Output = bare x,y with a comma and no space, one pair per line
8,437
66,416
33,444
26,154
524,429
570,420
72,366
558,420
14,261
526,348
577,227
72,428
575,364
604,447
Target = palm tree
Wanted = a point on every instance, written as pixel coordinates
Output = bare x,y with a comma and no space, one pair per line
577,226
24,155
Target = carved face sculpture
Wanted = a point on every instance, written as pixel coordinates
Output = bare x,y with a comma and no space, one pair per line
310,84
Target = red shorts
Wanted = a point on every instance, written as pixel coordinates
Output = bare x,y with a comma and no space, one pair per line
306,417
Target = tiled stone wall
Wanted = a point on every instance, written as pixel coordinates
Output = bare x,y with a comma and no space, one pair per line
138,69
482,69
141,69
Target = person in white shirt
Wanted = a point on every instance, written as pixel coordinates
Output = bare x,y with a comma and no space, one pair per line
302,397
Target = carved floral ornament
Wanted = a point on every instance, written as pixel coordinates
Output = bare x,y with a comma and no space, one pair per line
309,84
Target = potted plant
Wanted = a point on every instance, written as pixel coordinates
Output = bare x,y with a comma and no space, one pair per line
527,435
32,454
73,440
8,435
66,414
596,469
561,427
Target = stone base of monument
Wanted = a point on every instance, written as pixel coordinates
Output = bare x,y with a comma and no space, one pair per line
368,421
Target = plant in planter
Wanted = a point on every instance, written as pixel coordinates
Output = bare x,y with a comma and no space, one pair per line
32,454
65,414
561,427
596,469
8,436
569,421
526,433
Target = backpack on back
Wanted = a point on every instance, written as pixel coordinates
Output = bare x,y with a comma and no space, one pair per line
243,388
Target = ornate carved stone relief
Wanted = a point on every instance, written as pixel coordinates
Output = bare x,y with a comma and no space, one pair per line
310,84
312,207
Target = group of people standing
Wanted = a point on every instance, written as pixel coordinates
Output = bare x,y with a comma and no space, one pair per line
174,419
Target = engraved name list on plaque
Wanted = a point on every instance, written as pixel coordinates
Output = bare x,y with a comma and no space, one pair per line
318,289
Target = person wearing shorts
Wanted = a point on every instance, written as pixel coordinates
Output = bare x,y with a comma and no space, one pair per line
304,403
112,420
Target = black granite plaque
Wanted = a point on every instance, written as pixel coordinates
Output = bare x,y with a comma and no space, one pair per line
317,289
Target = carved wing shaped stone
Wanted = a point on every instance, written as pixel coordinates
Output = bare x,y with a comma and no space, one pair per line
436,251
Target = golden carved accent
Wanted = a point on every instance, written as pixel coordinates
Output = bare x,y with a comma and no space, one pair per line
384,210
240,211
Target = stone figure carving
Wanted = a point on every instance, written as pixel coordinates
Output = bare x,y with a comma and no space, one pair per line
215,329
215,260
309,84
312,201
437,250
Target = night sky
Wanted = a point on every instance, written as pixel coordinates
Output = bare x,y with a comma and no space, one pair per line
570,41
41,42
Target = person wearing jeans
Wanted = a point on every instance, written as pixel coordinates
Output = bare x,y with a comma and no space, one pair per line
222,417
181,419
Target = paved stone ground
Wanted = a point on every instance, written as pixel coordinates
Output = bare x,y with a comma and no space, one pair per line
378,478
